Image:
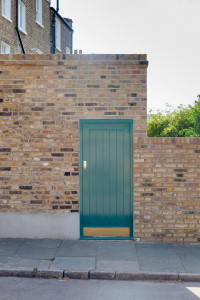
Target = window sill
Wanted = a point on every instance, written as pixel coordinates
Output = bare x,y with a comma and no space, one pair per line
58,49
39,24
22,30
8,19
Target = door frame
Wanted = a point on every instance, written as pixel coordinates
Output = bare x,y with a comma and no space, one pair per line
101,121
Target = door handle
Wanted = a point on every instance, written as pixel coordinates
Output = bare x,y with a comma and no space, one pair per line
84,164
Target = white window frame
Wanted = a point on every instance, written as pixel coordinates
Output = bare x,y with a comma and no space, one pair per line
39,12
67,50
22,17
5,48
6,9
58,34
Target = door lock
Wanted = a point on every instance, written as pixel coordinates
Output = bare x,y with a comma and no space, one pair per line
84,164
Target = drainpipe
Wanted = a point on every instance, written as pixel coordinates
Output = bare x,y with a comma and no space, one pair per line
72,42
17,27
57,6
54,34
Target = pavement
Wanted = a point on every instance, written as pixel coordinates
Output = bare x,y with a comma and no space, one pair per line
114,260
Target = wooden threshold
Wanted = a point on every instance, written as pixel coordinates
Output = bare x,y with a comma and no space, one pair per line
106,231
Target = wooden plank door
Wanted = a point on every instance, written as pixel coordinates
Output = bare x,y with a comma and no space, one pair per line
106,179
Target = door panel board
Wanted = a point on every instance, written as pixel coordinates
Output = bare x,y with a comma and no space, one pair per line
106,183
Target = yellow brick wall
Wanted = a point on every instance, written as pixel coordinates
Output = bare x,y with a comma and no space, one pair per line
43,98
167,189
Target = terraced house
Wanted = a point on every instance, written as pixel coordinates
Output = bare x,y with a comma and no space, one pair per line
33,26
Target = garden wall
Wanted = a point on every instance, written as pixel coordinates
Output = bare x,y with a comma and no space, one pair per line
42,100
167,189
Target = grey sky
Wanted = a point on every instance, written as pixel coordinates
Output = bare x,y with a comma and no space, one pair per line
167,30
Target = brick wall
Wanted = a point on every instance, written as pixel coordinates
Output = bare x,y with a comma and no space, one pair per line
42,99
8,32
167,189
36,37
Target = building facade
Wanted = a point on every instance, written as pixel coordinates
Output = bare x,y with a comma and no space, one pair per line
32,26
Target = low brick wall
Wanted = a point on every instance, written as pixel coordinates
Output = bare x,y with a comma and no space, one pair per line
167,189
42,100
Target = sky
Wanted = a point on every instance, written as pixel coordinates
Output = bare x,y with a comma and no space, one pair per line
168,31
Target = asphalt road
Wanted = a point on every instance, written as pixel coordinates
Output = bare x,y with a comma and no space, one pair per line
29,289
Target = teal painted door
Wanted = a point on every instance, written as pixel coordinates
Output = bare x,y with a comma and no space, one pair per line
106,178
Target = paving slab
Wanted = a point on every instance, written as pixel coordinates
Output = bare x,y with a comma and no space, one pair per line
117,266
189,255
116,251
42,243
8,249
157,258
77,249
154,245
36,252
73,263
12,241
24,264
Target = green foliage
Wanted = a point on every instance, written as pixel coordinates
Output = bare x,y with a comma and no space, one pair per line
180,122
196,113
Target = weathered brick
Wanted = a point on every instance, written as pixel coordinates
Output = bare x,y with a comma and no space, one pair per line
72,67
67,173
19,91
15,192
6,114
132,103
93,86
65,207
5,168
70,95
68,113
57,154
67,149
5,149
25,187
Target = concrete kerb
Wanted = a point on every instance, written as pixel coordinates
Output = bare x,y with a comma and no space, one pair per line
32,274
102,275
189,277
76,274
147,276
85,275
17,273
